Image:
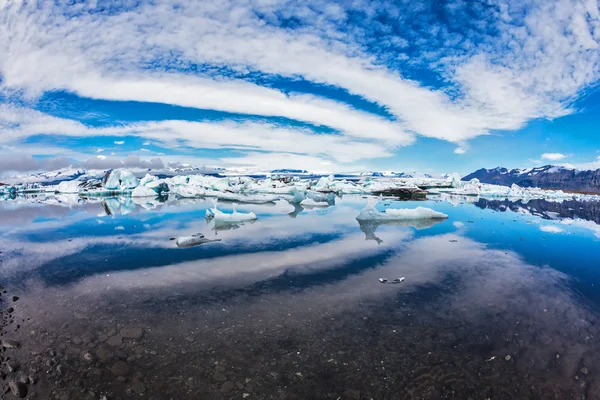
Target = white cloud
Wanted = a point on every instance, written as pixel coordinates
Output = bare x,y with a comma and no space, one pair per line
244,137
551,229
460,150
119,142
593,165
532,67
101,157
553,156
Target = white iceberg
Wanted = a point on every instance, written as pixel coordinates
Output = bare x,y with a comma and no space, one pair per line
194,240
370,213
69,187
312,203
235,217
143,191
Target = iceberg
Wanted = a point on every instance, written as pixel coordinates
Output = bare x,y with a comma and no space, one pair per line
312,203
118,179
194,240
143,191
370,213
69,187
220,217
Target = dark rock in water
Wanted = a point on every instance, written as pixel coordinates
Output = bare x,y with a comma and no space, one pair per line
18,389
403,193
115,341
15,298
227,387
138,386
10,344
120,368
12,365
104,354
132,333
219,377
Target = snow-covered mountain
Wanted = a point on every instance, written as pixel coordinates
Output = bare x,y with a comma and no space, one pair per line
546,177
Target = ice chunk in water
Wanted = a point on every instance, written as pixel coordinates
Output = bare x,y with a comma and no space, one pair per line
312,203
397,214
234,217
69,187
191,241
119,179
143,191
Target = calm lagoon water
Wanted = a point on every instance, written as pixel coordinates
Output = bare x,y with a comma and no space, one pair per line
499,301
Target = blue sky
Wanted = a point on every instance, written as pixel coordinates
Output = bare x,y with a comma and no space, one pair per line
327,86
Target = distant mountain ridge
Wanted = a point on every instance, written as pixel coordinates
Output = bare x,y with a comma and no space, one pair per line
546,177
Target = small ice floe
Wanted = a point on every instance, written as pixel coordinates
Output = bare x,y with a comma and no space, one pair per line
370,213
313,203
392,282
224,218
194,240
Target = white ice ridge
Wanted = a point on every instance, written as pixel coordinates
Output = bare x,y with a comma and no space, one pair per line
295,190
475,188
370,213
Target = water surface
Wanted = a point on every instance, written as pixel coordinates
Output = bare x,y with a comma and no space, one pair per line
499,301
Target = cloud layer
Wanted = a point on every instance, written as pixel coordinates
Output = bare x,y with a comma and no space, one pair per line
482,69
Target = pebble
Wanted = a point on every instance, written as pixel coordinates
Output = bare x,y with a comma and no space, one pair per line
12,365
138,386
120,368
115,340
507,358
227,387
584,370
18,389
10,344
219,377
190,339
132,333
15,298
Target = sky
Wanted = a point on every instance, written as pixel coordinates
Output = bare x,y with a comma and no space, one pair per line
404,85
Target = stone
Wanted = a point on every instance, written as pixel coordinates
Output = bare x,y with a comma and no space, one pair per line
584,370
18,389
132,333
138,386
10,343
352,394
219,377
77,341
121,355
87,356
12,365
227,387
115,341
120,368
104,354
190,339
507,358
15,298
102,338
